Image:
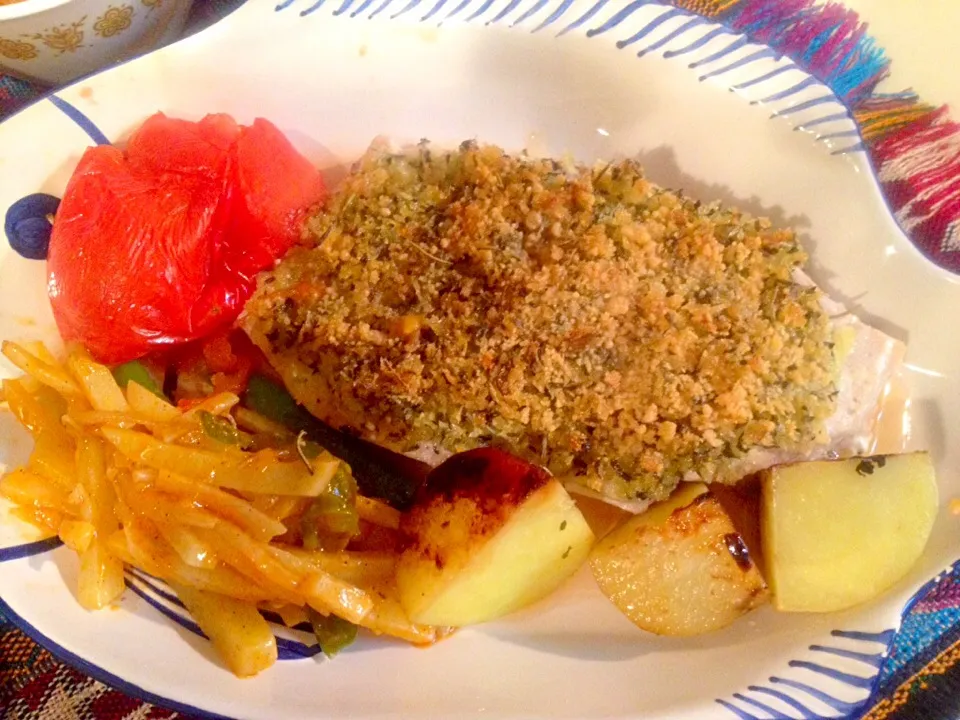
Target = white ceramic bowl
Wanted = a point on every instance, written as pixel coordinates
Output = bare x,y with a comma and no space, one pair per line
55,41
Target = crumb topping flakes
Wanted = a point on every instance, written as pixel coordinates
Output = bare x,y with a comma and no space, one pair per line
582,318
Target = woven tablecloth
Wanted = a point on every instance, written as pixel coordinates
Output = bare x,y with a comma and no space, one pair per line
920,680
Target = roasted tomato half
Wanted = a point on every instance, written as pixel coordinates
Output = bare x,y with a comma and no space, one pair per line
159,243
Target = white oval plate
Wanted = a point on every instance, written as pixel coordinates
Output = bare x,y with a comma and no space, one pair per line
547,75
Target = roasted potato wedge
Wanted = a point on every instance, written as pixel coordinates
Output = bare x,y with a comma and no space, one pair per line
490,534
680,568
838,533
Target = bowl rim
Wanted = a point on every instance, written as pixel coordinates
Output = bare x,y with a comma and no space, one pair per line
26,8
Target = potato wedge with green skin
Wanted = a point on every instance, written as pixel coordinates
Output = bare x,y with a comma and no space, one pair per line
489,534
839,533
680,568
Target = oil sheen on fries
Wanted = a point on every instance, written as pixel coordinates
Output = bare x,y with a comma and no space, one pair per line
125,478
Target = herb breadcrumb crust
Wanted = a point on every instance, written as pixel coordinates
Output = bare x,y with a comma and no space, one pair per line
620,334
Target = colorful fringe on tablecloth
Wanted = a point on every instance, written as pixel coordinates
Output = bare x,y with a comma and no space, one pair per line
915,147
14,93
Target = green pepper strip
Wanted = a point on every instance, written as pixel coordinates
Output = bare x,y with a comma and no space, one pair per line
379,472
332,520
219,429
333,633
137,372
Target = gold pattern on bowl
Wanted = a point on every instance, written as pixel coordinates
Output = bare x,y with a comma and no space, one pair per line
79,37
17,49
114,21
62,38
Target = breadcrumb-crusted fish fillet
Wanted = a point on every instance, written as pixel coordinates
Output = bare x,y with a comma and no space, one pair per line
620,334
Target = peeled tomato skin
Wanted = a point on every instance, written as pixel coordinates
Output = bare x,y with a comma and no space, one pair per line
164,144
160,243
275,185
129,255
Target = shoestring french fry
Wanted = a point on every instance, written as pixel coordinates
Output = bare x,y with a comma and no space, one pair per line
279,507
49,374
378,512
236,629
210,499
328,594
77,534
261,471
98,384
164,508
222,580
101,576
114,418
192,549
138,545
53,458
150,407
239,551
215,405
145,546
26,488
291,615
388,618
101,573
36,411
364,569
40,351
241,513
44,519
255,422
